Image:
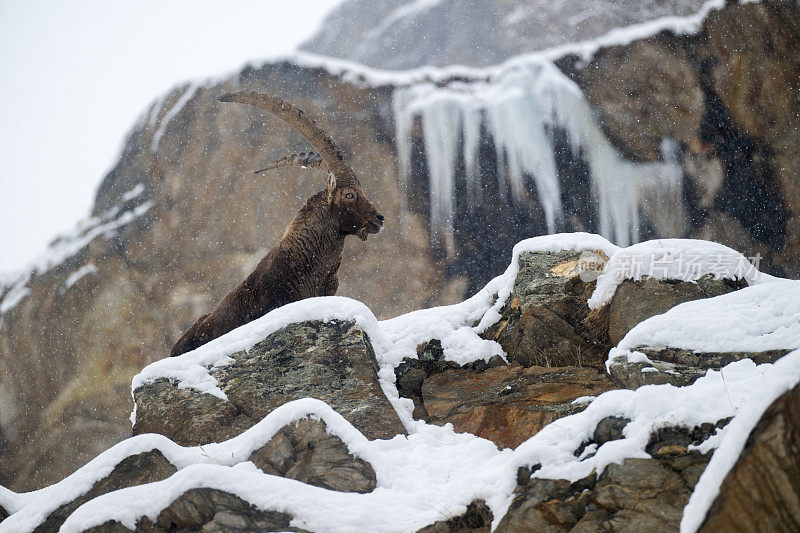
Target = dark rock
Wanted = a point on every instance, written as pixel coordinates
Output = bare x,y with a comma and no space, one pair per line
135,470
762,490
332,361
307,453
629,375
199,508
508,404
679,367
544,321
609,428
635,301
642,495
476,519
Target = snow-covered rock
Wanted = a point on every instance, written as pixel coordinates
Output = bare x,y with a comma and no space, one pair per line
760,323
638,453
330,360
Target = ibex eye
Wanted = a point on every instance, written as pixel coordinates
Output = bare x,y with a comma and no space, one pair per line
349,196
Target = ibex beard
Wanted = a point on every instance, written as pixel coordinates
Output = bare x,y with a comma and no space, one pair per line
305,262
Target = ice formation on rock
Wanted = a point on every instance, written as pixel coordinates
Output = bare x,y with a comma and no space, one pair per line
519,107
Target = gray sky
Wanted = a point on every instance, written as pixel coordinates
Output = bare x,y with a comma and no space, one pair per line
77,74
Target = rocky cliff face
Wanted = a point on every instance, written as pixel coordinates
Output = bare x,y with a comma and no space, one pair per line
180,220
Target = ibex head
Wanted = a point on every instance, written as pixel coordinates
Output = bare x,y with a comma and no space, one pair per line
356,215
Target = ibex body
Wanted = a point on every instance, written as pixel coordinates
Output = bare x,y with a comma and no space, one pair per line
306,260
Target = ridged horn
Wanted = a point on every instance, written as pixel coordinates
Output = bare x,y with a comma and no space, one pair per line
311,159
305,126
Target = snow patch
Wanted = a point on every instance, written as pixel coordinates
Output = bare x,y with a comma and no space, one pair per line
15,295
78,275
187,95
133,193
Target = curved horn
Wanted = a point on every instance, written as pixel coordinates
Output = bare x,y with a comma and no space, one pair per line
304,125
311,159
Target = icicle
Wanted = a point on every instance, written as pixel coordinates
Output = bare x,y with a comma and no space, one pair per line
519,106
472,119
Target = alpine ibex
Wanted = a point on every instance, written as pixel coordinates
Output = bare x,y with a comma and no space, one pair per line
305,261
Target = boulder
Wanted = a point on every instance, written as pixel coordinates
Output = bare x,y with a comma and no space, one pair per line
305,451
508,404
635,301
476,519
643,495
210,511
678,367
134,470
544,321
762,490
331,361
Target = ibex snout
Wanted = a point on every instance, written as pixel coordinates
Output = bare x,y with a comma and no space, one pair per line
372,225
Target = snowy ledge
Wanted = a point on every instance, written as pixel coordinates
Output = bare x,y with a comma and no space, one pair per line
30,509
754,319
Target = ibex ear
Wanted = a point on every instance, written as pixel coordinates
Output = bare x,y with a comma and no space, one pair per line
331,181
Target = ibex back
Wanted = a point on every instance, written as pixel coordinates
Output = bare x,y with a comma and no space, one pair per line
306,260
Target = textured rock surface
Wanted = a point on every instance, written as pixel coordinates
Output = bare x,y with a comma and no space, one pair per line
508,404
331,361
476,519
635,301
642,495
544,319
134,470
207,510
679,367
762,491
307,453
